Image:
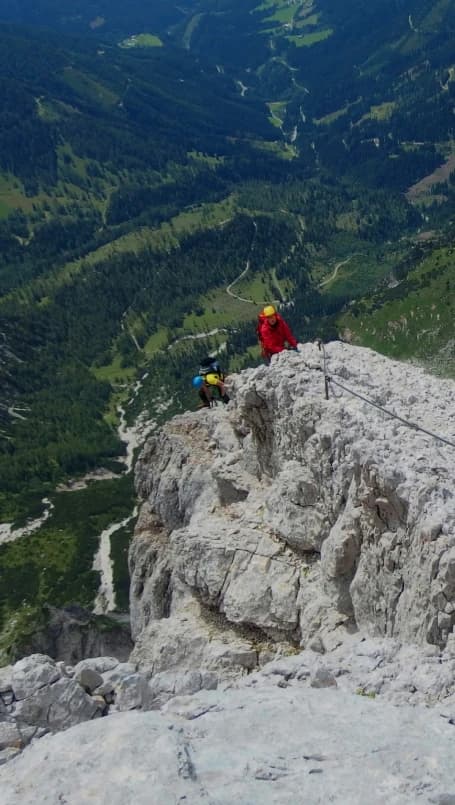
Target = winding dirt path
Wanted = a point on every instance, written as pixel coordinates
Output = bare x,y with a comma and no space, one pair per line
105,599
334,273
243,273
10,534
132,437
197,336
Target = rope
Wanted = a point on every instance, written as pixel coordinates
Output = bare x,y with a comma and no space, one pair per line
407,422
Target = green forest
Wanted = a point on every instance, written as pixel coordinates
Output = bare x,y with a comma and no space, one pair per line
136,183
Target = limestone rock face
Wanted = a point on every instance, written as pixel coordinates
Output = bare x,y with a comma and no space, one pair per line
287,735
38,695
73,633
292,576
286,520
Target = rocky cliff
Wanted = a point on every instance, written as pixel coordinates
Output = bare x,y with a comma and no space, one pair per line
295,557
290,520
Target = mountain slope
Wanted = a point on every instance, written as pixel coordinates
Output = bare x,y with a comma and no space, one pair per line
96,145
153,195
413,317
122,169
91,17
292,585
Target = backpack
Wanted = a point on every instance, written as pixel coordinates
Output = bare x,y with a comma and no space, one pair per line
210,365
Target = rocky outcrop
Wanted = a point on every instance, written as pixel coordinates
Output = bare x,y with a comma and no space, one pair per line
288,520
72,634
294,732
38,695
312,539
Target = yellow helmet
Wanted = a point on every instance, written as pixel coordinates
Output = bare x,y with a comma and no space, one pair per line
269,310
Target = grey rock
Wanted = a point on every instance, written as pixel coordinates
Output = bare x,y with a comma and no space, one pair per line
7,698
188,642
73,633
188,683
32,673
284,520
6,679
105,689
247,745
288,519
56,707
121,670
64,669
317,645
166,685
132,693
101,704
71,705
323,678
99,664
9,736
88,678
8,754
29,733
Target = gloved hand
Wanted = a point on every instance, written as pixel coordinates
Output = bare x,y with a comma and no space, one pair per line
225,398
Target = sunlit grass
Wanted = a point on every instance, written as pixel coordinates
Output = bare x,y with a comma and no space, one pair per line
114,372
326,120
307,22
283,14
307,40
277,112
162,238
142,41
5,209
86,86
156,341
12,195
280,148
383,111
413,319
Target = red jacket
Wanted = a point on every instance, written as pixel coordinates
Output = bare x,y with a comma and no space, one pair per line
273,338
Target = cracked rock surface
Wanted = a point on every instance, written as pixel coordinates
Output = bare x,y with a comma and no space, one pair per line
276,737
39,695
292,607
289,520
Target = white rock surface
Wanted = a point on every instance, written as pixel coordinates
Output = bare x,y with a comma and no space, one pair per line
33,673
313,539
286,519
264,742
38,695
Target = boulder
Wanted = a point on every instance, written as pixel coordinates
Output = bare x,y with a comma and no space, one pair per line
33,673
133,693
89,679
57,706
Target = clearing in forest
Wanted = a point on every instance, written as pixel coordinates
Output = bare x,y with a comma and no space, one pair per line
438,176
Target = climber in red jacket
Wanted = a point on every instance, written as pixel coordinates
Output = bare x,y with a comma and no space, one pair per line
273,332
